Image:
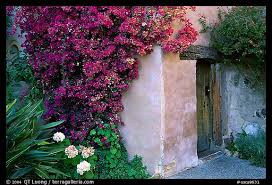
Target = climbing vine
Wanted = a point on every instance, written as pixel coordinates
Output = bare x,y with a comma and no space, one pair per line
85,57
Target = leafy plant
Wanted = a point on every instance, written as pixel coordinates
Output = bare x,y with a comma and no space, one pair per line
105,136
205,26
19,70
70,164
123,169
240,36
241,32
231,147
112,156
252,147
28,150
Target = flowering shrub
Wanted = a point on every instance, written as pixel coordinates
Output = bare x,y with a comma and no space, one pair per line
58,137
82,167
85,57
71,151
79,161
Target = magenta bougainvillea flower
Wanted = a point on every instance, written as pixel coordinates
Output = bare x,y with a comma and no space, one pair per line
85,57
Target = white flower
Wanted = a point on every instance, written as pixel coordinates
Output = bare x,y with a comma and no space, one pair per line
81,147
82,167
71,151
58,137
144,24
87,152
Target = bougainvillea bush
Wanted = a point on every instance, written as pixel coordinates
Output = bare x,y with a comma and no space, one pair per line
85,57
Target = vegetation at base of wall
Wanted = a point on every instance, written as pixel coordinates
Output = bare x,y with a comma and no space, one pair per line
29,154
250,147
19,70
123,169
231,147
112,156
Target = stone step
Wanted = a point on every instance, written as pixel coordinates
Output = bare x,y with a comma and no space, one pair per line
211,156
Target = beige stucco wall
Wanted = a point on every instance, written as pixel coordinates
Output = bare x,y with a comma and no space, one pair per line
180,142
142,113
211,13
160,107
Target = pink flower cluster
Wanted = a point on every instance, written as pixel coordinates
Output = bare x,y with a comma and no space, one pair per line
85,56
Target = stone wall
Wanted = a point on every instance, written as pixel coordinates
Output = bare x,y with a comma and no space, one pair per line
243,105
14,41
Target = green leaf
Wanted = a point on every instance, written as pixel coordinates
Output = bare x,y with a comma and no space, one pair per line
76,160
10,105
118,154
112,165
97,140
114,135
94,157
88,175
37,154
113,150
54,170
51,125
101,132
93,132
21,172
91,161
10,160
66,142
43,143
41,172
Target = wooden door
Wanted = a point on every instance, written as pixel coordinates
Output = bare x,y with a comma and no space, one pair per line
204,107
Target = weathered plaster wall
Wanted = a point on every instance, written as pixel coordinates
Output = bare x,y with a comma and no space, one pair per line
142,114
160,107
211,14
180,141
242,106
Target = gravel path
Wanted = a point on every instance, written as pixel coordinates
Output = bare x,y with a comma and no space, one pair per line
224,167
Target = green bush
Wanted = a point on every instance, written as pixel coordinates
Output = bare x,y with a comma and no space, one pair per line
123,170
241,32
28,152
19,70
112,156
231,147
252,148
